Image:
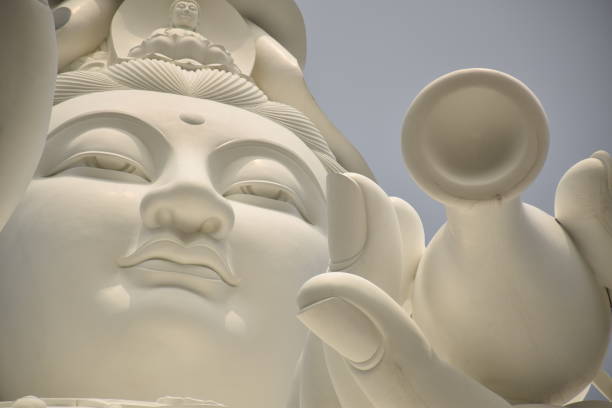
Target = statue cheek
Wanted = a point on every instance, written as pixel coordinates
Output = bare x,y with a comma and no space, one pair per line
78,222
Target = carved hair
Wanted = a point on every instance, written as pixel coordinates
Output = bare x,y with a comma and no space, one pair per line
186,1
215,85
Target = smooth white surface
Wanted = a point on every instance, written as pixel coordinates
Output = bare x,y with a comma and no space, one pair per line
282,19
582,205
475,134
87,26
501,293
474,139
137,327
498,263
26,81
164,237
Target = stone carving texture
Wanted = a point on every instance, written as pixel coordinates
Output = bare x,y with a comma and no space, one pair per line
182,45
165,209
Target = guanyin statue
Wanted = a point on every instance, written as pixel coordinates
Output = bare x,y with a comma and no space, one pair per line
172,230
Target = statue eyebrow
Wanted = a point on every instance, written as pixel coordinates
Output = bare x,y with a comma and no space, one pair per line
107,119
151,140
276,150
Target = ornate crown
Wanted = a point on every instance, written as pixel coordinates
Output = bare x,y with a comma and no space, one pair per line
156,56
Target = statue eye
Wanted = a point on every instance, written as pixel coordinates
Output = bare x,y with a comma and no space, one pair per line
267,190
103,161
192,8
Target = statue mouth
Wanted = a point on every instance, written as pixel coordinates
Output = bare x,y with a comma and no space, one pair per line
168,256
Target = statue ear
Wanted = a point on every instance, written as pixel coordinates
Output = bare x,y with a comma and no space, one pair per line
277,72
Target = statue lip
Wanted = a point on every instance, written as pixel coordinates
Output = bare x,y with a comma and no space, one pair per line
169,256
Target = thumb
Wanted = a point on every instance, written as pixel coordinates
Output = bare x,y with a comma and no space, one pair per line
387,354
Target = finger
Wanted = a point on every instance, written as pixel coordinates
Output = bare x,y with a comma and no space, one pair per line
364,236
413,243
347,216
387,354
582,206
353,316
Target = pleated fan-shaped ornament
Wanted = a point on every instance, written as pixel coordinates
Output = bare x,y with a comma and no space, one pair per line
151,75
72,84
161,76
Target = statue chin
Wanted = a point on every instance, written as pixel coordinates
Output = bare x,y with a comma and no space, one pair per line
180,208
155,253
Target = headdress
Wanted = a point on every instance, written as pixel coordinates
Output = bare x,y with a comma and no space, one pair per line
247,22
186,1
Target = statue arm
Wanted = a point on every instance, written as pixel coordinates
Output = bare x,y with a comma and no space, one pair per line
81,26
27,80
583,206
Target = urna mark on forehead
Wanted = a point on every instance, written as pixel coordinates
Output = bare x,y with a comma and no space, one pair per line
174,116
209,84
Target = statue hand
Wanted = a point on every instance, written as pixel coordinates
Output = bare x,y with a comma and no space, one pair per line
383,349
374,353
27,80
372,235
583,206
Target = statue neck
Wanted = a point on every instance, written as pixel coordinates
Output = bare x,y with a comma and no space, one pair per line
182,27
487,220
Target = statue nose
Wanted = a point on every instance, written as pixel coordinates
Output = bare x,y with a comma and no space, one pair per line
188,208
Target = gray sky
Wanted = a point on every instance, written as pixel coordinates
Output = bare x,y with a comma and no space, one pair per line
367,60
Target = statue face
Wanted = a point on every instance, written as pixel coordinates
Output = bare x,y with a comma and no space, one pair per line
185,15
158,251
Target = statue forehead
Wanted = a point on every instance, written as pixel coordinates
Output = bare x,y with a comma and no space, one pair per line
158,108
169,112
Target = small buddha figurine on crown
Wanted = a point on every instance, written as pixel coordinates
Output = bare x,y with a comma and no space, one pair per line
182,45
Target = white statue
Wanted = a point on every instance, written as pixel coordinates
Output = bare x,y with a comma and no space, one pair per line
504,296
181,44
179,254
174,214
